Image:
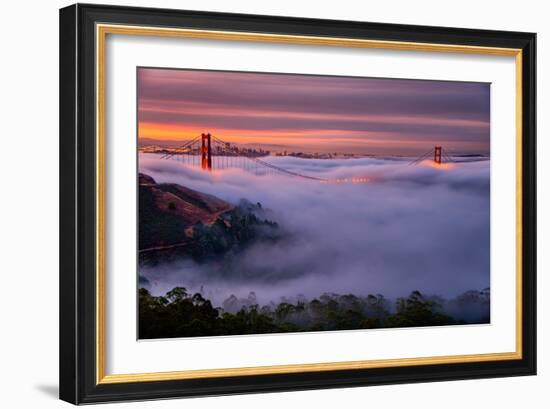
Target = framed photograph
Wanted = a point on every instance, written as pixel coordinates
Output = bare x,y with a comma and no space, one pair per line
257,203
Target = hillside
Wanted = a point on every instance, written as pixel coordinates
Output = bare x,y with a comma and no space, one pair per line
177,222
167,209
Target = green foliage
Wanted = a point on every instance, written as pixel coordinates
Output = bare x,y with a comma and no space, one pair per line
170,233
417,311
180,314
231,232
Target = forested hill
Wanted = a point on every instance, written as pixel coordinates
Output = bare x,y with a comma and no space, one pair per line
182,314
167,209
177,222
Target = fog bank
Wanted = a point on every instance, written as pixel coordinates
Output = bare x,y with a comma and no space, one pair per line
411,228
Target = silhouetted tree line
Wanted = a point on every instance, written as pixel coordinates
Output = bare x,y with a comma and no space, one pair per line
181,314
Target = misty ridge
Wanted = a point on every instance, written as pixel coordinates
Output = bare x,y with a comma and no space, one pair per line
182,314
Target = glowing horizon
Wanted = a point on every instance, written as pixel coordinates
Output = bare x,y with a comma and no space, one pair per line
313,113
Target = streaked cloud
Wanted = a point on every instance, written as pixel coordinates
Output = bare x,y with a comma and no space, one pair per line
307,112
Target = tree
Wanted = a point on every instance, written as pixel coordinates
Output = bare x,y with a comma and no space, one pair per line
177,294
416,311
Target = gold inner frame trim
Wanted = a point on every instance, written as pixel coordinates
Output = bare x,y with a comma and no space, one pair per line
101,33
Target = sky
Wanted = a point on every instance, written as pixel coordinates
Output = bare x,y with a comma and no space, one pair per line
311,113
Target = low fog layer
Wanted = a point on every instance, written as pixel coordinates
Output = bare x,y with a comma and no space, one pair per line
411,228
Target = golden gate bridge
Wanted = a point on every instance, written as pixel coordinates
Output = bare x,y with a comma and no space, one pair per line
210,152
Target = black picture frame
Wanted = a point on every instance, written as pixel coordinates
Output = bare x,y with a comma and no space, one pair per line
78,360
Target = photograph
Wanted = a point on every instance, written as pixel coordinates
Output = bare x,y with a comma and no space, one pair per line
252,201
282,202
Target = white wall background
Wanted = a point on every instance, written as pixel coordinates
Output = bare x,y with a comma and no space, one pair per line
29,202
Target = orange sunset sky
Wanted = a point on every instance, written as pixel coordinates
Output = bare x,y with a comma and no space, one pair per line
313,113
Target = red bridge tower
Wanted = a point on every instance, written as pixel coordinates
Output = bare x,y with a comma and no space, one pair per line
206,151
437,155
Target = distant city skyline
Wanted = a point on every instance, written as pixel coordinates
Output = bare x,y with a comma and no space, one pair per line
313,113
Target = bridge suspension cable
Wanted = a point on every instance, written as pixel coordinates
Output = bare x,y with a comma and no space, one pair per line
422,157
438,155
179,149
207,147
